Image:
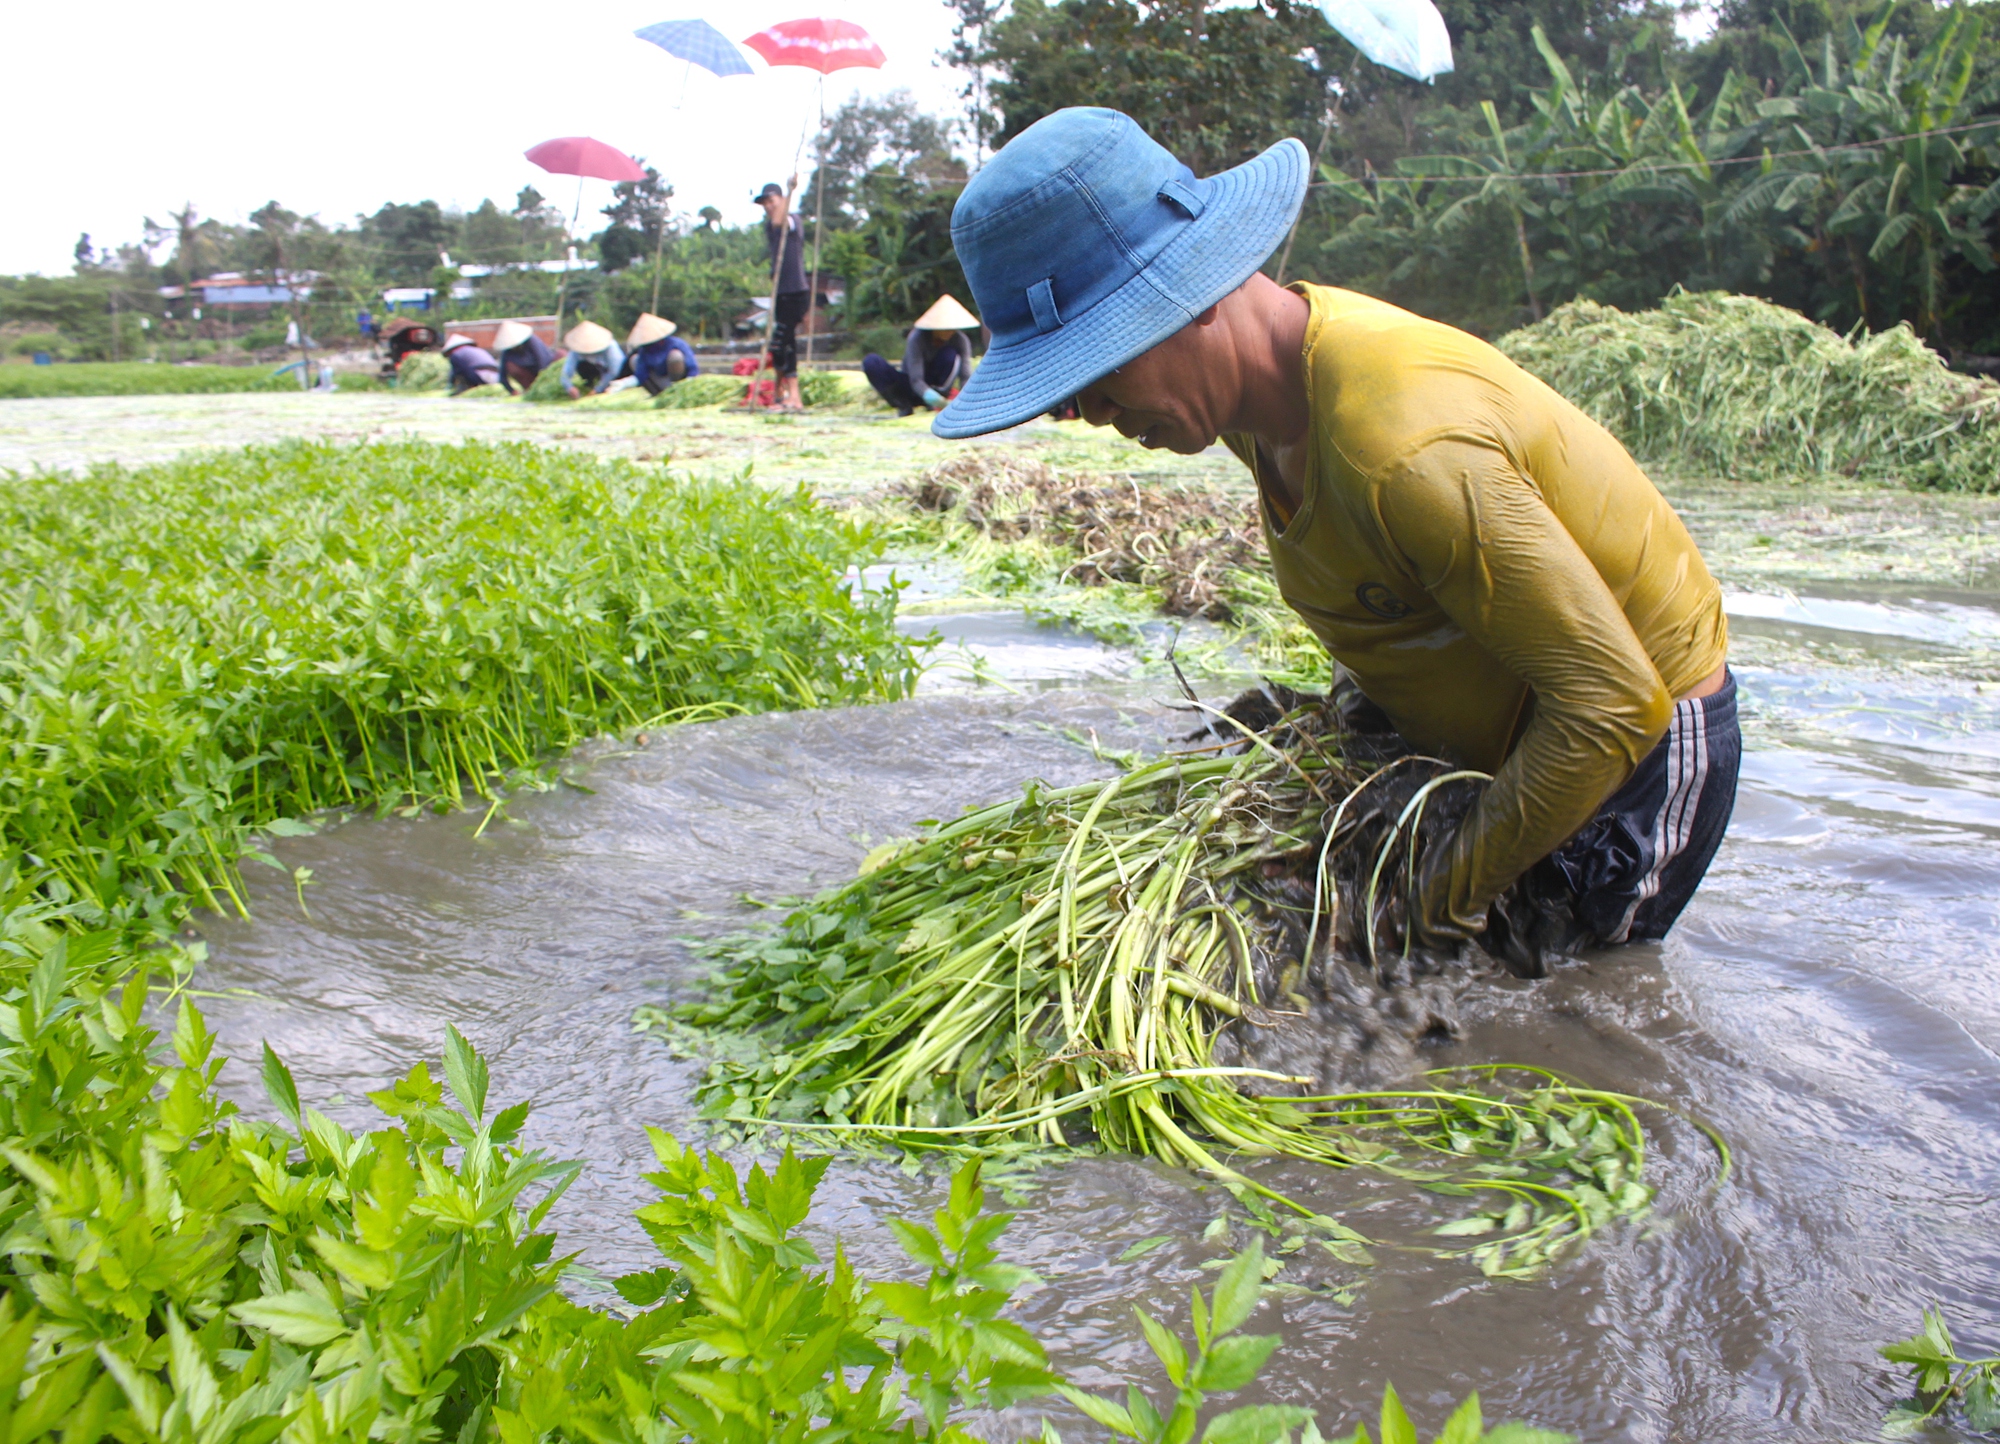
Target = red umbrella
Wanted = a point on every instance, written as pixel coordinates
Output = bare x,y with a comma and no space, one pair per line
825,45
579,155
819,44
582,157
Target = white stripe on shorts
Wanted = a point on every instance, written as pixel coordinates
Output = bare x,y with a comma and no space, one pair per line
1687,770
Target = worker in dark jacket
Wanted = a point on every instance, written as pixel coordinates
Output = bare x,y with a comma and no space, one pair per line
470,365
937,359
659,357
522,355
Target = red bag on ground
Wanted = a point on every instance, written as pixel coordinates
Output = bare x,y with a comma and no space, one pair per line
758,393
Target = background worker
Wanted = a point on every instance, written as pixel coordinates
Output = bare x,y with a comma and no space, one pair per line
789,297
937,357
595,359
521,353
659,357
401,336
470,365
1491,569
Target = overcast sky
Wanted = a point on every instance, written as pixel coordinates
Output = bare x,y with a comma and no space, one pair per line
127,110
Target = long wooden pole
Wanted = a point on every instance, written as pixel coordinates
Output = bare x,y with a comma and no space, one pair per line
819,212
562,287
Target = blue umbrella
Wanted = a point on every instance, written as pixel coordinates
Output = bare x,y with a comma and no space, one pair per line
698,43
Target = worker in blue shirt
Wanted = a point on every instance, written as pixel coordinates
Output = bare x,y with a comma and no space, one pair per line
470,365
595,360
659,357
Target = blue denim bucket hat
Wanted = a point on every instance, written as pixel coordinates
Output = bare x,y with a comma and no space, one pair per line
1087,244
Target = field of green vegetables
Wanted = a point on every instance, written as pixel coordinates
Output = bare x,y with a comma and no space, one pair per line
194,651
136,378
197,649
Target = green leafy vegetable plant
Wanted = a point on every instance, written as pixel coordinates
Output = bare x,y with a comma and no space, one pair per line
700,391
194,650
1944,1377
175,1272
1079,956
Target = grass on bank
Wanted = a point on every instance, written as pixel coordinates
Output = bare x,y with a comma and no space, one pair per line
137,378
1732,386
193,650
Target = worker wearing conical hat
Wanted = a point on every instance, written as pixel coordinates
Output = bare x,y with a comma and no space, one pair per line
471,365
937,358
521,353
659,357
595,359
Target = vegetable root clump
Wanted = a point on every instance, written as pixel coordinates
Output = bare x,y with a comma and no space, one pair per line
1078,966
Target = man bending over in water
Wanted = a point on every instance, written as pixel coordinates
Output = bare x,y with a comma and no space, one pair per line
1486,564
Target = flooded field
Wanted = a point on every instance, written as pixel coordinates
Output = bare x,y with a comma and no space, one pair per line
1827,1004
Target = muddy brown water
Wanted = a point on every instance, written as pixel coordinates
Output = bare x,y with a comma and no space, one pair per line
1828,1003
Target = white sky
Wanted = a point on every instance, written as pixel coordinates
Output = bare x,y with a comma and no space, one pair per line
132,109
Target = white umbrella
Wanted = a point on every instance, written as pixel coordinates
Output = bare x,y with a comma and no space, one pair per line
1407,36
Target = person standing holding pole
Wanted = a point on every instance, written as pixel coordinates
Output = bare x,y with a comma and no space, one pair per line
790,299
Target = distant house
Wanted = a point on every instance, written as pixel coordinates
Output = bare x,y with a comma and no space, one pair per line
233,288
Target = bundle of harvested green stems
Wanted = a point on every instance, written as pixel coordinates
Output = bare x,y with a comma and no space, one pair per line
1073,966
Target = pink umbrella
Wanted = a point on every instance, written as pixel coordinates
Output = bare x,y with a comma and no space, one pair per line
579,155
818,44
825,45
582,157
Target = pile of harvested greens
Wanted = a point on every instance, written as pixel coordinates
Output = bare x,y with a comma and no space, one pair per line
1079,966
1736,387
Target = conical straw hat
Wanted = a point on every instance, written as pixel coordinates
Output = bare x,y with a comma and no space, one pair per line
510,335
946,314
454,341
587,337
650,328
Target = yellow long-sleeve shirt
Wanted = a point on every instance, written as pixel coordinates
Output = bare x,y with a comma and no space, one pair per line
1498,574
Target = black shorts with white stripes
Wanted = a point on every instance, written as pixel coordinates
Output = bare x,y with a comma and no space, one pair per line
1626,876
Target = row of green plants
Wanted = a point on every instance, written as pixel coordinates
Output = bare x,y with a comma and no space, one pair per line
176,1271
137,378
202,648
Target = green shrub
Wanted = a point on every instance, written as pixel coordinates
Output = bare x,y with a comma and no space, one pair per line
173,1272
701,391
884,341
28,345
196,648
137,378
1736,387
